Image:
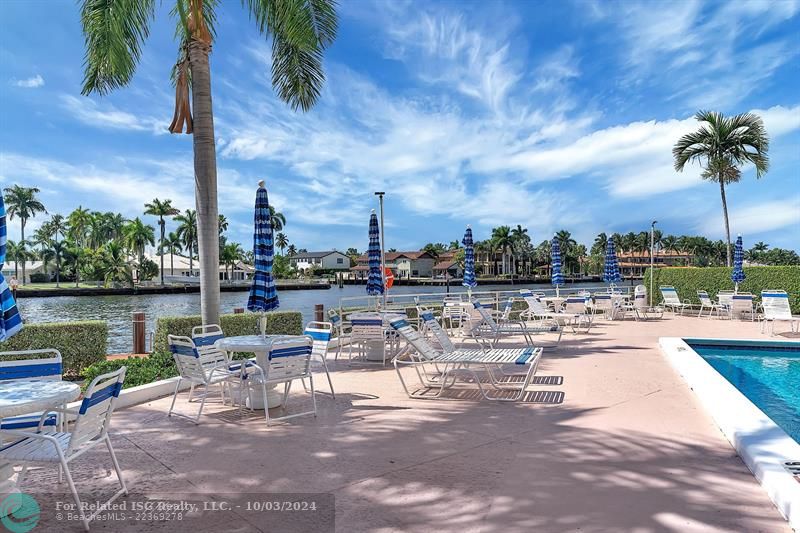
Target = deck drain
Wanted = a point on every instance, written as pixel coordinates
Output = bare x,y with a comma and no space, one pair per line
793,467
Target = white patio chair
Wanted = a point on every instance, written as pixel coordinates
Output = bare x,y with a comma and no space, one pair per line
607,304
577,307
451,364
320,333
672,301
538,311
639,306
777,309
454,312
30,364
208,367
288,359
482,327
90,428
342,330
367,331
706,303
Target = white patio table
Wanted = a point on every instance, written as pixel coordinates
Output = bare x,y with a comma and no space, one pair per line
259,346
22,397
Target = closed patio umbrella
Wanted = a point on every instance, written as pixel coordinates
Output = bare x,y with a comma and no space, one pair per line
737,275
263,295
469,280
375,279
10,320
611,270
556,278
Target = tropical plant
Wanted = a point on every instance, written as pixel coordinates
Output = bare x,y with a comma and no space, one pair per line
291,250
187,231
22,203
281,241
115,264
161,209
231,254
454,245
503,242
722,144
300,31
79,222
520,240
277,218
172,245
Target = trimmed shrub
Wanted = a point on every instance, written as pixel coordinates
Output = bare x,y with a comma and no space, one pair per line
688,280
39,277
80,343
278,323
141,370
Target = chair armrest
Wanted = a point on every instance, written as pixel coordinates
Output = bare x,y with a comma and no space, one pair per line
29,435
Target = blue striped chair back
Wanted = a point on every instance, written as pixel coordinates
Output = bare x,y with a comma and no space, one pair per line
206,335
420,344
96,408
430,323
43,364
288,358
320,334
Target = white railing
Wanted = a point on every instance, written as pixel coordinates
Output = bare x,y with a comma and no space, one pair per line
402,301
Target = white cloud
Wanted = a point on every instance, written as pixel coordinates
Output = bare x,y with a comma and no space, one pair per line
29,83
108,117
756,218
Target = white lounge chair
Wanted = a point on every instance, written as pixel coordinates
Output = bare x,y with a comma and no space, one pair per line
207,367
742,304
482,327
30,364
672,301
777,309
90,428
450,365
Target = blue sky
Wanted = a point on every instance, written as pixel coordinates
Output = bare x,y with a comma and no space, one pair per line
550,115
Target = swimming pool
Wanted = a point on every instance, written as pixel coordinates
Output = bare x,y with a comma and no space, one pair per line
767,373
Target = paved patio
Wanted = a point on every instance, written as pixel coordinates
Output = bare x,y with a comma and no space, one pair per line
610,439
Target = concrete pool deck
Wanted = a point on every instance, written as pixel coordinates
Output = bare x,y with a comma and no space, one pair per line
610,438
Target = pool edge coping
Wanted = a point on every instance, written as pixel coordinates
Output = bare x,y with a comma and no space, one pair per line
759,441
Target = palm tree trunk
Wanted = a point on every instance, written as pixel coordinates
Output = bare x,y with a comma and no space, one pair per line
22,244
727,224
161,246
171,263
205,175
58,262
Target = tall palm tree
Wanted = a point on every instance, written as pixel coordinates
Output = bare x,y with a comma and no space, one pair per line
600,244
79,222
57,226
14,252
223,223
281,241
173,245
137,235
722,145
291,250
277,218
300,31
21,202
669,243
115,265
187,231
454,245
519,236
161,209
231,254
503,241
567,245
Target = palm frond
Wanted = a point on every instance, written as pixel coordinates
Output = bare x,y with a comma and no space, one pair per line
114,31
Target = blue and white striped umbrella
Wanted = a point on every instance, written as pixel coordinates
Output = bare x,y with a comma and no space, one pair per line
469,280
611,269
737,275
10,320
556,278
263,295
375,279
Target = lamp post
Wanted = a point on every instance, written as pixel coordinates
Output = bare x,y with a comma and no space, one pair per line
652,256
383,253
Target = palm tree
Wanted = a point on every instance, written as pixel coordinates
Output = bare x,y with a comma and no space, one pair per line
173,245
600,244
454,245
291,250
21,202
79,221
300,32
137,235
57,226
519,236
281,241
187,231
669,243
161,209
278,220
503,241
115,265
567,245
14,252
723,144
222,224
231,254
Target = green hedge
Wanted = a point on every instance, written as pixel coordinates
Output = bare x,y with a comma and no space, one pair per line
80,343
687,281
278,323
141,370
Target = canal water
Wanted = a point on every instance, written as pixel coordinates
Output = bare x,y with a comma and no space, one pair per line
116,310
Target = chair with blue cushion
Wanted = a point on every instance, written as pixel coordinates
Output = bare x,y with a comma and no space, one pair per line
30,364
320,333
92,421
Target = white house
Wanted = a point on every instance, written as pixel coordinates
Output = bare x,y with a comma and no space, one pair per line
31,267
331,260
178,270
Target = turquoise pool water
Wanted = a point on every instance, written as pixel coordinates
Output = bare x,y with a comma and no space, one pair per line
767,373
